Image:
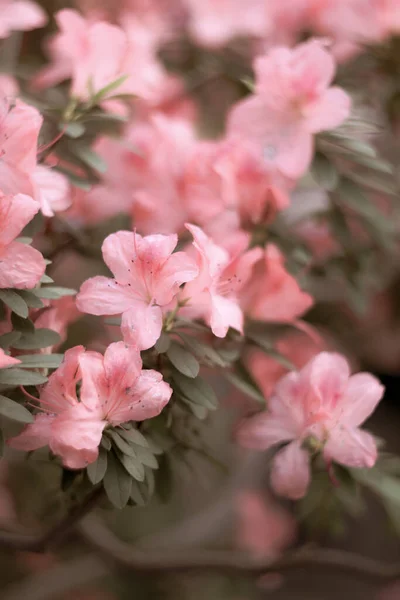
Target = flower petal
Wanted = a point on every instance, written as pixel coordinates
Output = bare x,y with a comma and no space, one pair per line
225,313
290,474
142,325
34,436
104,296
60,391
351,447
263,431
361,397
21,266
329,111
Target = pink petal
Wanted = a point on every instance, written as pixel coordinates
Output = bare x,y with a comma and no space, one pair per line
95,388
75,437
51,190
351,447
21,124
21,266
142,325
145,399
21,15
225,313
122,366
264,430
104,296
34,436
328,374
7,361
15,212
60,391
290,474
157,248
179,268
214,257
361,397
329,111
119,253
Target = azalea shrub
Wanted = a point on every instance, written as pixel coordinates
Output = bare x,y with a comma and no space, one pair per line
198,217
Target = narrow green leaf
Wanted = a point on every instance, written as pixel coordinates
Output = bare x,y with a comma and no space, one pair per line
53,292
105,91
200,412
41,338
146,457
246,387
46,279
91,158
133,466
15,302
117,482
106,443
8,339
121,444
151,481
324,172
97,470
14,377
30,298
134,435
13,410
22,325
163,343
203,351
40,361
197,390
139,493
183,360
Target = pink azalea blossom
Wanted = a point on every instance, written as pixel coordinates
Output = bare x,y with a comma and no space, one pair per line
263,527
213,23
20,15
21,266
51,190
114,390
293,100
321,401
7,361
272,294
147,277
213,295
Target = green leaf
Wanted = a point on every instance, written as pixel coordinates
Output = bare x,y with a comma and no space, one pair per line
246,387
91,158
13,410
105,91
14,377
41,338
197,391
183,360
200,412
151,481
134,435
15,302
133,466
121,444
203,351
8,339
106,443
117,482
146,457
22,325
97,470
163,343
53,292
73,130
324,172
30,298
46,279
139,493
40,361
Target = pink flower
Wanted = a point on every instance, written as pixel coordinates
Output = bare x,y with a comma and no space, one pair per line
213,295
147,277
323,402
7,361
20,15
21,266
272,294
292,102
114,390
214,22
51,190
263,528
19,130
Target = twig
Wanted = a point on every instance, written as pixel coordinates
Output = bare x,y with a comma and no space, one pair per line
126,556
33,543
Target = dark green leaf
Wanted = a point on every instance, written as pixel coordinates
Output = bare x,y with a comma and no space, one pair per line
97,470
203,351
146,457
197,390
8,339
121,444
14,377
40,361
200,412
117,482
324,172
41,338
13,410
163,343
133,466
134,435
139,493
15,302
22,325
91,158
183,360
106,442
53,292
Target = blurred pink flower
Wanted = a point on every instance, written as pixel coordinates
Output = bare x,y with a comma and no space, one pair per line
293,100
51,190
21,266
147,277
114,390
213,23
7,361
321,401
272,294
263,527
20,15
213,295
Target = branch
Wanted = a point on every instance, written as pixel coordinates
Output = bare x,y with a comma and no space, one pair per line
126,556
33,543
